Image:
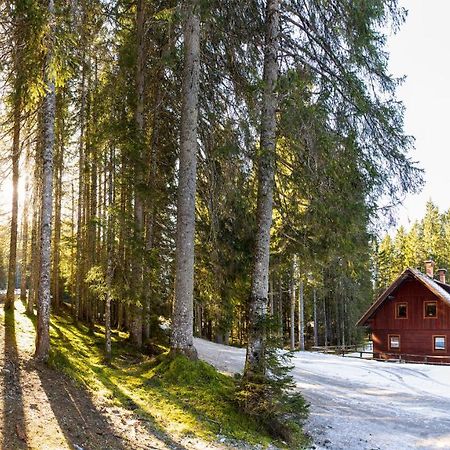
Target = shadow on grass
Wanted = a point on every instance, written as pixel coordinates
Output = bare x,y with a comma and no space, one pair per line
14,427
193,399
61,361
78,418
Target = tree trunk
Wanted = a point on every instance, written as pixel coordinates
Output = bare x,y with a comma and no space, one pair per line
58,171
325,323
109,267
136,322
292,320
182,326
301,317
255,358
35,245
316,321
43,319
24,259
15,156
80,206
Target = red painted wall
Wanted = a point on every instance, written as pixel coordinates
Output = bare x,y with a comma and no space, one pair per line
416,332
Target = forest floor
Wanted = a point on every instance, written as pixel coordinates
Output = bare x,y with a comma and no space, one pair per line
134,404
362,404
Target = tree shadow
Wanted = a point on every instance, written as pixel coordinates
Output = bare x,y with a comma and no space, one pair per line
125,400
14,427
82,425
78,418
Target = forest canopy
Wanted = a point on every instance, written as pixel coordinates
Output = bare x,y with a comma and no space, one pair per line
265,138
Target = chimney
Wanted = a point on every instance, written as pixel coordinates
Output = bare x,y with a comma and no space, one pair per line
442,273
429,267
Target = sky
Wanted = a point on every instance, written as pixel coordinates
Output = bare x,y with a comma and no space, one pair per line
420,50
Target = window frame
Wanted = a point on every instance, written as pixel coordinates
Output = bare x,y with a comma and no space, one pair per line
397,306
396,349
428,302
439,350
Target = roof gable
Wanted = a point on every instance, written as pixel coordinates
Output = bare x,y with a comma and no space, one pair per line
441,290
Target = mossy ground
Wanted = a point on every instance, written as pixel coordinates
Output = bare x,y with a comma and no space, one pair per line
180,397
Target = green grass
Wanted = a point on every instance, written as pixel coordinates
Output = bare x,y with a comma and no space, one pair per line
178,396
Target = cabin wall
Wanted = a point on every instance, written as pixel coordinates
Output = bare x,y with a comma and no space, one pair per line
416,332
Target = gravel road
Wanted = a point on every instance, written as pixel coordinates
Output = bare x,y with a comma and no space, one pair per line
362,404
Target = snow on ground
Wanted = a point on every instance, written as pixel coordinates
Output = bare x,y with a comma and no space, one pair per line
362,404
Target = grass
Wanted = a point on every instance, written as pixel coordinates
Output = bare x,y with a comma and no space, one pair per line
178,396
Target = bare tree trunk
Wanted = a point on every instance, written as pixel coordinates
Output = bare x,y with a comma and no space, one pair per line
301,317
73,293
182,326
81,188
109,267
255,358
58,171
15,156
136,322
316,321
325,323
271,306
43,318
24,260
293,302
35,245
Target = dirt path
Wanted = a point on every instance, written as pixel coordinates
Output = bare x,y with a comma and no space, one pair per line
41,409
363,405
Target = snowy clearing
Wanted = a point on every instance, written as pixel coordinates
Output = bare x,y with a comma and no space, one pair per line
360,404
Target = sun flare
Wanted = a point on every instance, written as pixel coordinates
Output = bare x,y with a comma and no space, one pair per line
6,193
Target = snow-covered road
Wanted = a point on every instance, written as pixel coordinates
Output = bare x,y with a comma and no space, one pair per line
362,404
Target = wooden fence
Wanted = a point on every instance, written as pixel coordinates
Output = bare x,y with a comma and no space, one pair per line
355,351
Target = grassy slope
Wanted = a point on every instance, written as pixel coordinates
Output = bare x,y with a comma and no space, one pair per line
179,396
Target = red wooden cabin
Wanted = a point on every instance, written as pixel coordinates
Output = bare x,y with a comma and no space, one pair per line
411,319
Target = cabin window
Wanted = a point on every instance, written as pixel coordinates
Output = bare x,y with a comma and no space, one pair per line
430,310
439,343
394,342
401,311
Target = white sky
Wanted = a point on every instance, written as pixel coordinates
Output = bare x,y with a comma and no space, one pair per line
421,52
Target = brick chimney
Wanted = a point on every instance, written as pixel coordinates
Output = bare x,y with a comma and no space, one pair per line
442,273
429,268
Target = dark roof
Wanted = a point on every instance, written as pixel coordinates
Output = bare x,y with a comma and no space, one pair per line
441,290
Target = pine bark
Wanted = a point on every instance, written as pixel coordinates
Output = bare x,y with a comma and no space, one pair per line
43,317
316,321
292,318
58,172
301,317
138,269
182,324
109,266
255,358
15,157
25,219
80,222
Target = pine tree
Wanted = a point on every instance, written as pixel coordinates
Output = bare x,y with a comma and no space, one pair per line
182,324
43,316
